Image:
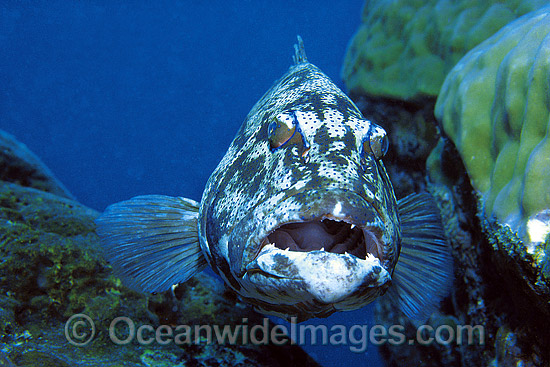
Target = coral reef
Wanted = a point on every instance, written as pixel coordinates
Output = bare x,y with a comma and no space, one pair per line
494,107
52,269
501,288
404,49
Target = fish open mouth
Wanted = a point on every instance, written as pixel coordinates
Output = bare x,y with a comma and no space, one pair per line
335,236
333,225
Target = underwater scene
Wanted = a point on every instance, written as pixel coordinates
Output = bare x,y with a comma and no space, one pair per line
255,183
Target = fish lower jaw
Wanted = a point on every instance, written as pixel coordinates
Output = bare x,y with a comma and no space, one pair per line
324,276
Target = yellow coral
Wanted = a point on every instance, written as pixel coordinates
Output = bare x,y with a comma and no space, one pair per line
495,106
404,48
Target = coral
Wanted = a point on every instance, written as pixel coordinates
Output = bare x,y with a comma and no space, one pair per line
494,107
523,270
466,305
404,49
498,281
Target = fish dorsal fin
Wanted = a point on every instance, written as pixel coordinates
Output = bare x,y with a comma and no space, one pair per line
299,52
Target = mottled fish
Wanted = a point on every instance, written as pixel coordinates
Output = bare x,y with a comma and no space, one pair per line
299,218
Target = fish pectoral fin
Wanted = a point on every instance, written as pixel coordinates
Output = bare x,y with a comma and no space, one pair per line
424,273
152,241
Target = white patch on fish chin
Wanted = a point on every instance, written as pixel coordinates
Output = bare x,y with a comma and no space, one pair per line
337,211
325,276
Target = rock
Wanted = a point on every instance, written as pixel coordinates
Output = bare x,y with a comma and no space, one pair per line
21,166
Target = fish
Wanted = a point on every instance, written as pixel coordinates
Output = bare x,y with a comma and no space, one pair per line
299,218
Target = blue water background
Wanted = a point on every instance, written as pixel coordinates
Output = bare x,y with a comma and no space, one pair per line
122,99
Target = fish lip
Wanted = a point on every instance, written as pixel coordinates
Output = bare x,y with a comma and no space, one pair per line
254,268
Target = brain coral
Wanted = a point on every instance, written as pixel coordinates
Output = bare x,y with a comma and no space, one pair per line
495,106
405,48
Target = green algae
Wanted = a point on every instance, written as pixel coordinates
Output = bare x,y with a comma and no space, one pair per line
51,275
45,212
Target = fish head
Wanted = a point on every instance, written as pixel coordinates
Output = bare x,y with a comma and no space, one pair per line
300,216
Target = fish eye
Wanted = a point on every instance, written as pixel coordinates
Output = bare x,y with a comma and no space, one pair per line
377,141
281,130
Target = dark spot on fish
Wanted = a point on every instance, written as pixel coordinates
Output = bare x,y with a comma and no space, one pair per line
284,266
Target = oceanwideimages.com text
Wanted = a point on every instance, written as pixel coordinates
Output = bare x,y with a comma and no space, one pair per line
80,330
